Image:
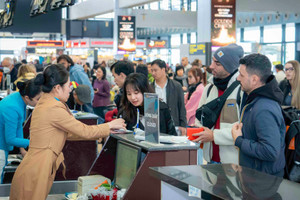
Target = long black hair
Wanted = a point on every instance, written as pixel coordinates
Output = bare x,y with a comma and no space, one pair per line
55,74
29,88
140,83
103,70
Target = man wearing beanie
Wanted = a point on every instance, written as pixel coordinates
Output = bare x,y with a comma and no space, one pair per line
218,142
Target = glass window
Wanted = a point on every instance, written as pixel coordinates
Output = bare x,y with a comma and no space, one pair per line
154,6
175,56
184,38
175,40
194,5
290,32
176,4
164,4
193,37
272,51
238,35
272,33
290,52
252,34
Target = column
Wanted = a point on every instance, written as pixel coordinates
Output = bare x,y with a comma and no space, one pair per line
204,21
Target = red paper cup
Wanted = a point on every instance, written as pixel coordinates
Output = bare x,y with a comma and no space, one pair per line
191,131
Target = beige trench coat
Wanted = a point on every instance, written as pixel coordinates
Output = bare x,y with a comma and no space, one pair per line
51,125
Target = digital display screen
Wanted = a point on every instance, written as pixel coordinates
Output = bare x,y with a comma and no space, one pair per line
127,162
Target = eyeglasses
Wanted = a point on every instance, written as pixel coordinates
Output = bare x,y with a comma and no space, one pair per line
289,69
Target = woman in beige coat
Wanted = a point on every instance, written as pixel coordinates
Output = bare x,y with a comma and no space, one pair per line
51,125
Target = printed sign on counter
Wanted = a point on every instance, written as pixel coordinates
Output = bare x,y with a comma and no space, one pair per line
151,108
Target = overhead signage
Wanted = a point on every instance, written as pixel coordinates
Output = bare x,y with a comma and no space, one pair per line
44,43
107,43
151,108
197,49
126,33
223,25
84,43
45,51
158,44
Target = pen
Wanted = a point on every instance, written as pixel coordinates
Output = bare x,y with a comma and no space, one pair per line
138,118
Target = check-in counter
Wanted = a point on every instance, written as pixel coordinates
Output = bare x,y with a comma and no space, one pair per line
142,185
221,181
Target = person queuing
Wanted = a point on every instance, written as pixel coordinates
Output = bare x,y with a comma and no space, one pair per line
12,117
290,85
134,88
260,136
25,72
82,97
170,92
102,92
9,68
77,73
181,77
280,75
51,124
192,98
120,71
218,142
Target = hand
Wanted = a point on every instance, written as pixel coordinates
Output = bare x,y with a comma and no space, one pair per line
23,152
184,88
96,90
117,124
182,130
205,136
236,131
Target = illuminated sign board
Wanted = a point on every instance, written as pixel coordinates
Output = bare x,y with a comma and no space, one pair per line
157,44
197,49
223,22
44,43
126,33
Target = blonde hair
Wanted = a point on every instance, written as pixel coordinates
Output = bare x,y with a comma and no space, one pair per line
26,68
295,84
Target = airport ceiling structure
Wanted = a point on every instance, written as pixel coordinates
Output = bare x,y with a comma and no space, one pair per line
150,23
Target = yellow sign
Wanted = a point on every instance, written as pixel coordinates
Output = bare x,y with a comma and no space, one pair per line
197,49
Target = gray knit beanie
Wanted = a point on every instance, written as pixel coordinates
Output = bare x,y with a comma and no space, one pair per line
229,56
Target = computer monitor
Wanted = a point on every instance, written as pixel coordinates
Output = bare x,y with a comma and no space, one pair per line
127,163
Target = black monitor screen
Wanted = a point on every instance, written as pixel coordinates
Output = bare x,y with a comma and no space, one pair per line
127,162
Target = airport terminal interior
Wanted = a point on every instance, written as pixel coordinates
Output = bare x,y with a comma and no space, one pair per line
149,99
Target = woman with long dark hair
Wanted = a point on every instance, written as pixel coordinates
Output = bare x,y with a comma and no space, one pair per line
52,124
133,98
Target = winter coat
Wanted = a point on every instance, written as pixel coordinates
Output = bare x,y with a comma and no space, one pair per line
229,115
263,140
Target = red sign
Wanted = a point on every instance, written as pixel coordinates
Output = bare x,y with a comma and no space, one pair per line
45,43
94,43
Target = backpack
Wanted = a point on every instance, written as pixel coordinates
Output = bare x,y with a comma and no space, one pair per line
292,143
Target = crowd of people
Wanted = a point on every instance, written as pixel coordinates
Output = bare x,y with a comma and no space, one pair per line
249,130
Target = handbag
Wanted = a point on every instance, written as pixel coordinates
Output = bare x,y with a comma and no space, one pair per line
208,113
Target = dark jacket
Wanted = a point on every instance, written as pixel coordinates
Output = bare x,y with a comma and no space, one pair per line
286,88
263,141
175,101
166,123
118,98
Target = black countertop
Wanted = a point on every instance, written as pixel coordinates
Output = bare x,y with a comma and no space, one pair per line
228,181
155,147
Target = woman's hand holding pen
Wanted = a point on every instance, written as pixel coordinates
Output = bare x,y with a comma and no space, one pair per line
117,124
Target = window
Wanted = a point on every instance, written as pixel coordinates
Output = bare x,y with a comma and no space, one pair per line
184,38
154,6
252,34
176,4
290,32
272,33
290,52
238,35
175,40
194,5
164,5
193,38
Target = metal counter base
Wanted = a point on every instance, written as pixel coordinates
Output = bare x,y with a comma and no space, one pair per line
58,190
